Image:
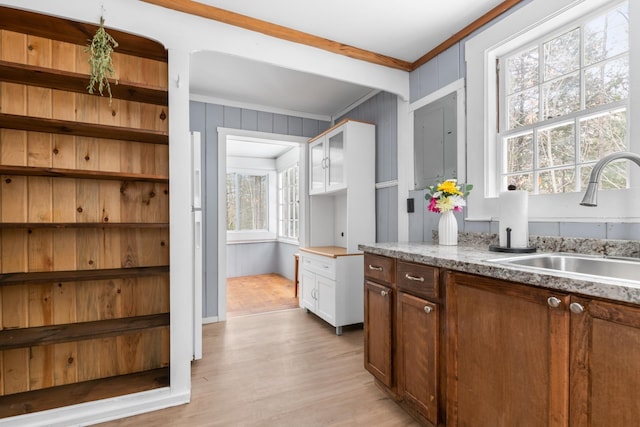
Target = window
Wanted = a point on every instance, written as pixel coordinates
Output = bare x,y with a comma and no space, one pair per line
563,105
247,201
251,203
288,203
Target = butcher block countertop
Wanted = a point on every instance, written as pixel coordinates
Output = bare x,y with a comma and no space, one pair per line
329,251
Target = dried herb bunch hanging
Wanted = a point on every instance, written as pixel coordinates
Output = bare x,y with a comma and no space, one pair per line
100,50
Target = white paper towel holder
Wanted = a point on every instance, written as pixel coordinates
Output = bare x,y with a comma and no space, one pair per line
508,248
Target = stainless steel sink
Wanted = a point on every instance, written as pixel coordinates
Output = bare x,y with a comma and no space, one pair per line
589,265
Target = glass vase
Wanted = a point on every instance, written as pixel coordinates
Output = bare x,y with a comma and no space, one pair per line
448,229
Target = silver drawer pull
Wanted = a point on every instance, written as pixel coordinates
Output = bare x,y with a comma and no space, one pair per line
375,267
576,308
414,278
427,309
554,302
384,293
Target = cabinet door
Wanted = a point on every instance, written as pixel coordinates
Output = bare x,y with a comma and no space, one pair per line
318,161
605,364
418,353
378,335
308,290
335,161
508,354
326,299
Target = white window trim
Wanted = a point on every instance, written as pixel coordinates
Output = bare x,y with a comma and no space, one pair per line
244,236
281,169
523,26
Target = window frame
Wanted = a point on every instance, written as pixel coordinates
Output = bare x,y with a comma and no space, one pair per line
270,233
296,218
523,26
574,118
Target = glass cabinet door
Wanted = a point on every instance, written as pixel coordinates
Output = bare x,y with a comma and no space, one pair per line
336,161
317,167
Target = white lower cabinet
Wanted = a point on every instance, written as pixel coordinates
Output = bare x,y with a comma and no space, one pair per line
332,288
318,295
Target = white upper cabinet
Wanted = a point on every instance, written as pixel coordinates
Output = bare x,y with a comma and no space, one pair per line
317,161
327,159
342,202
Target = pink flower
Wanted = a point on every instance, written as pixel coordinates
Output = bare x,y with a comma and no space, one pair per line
432,205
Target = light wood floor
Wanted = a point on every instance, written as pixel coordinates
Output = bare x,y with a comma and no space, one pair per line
285,368
259,294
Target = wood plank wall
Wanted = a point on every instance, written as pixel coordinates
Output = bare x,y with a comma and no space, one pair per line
62,224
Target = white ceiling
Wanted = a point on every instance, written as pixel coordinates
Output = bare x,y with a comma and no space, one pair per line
243,81
257,148
402,29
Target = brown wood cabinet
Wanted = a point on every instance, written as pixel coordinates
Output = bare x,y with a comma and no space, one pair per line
508,354
418,320
458,349
605,363
418,364
403,334
379,291
526,356
378,331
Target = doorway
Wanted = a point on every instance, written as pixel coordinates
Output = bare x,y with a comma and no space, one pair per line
256,259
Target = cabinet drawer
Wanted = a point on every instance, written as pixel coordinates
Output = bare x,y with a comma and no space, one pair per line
379,268
418,279
318,264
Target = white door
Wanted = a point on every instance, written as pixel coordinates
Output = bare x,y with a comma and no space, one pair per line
197,285
335,161
326,299
317,167
307,290
198,243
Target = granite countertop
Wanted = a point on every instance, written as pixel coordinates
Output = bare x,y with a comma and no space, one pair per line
471,257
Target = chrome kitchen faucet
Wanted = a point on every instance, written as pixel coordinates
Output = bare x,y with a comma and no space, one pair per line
591,195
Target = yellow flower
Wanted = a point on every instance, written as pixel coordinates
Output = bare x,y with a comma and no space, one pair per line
449,186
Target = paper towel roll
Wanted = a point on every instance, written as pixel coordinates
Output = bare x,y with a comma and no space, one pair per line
514,214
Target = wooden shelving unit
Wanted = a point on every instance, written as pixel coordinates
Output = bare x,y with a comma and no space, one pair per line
75,82
80,275
34,225
71,128
85,184
80,174
86,391
55,334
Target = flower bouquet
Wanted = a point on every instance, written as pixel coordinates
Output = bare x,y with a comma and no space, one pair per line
446,198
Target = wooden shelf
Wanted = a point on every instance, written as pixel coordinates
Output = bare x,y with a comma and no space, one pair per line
81,174
86,391
77,33
80,275
71,128
56,334
33,225
73,82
